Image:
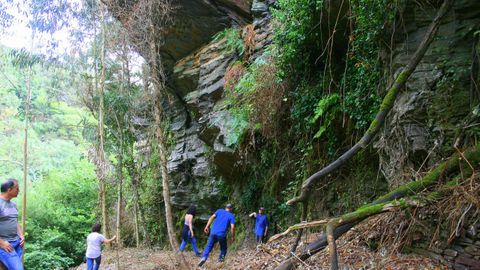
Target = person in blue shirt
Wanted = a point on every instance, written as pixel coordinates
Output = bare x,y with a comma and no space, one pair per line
224,218
261,224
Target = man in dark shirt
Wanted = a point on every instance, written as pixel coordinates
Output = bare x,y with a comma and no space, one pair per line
223,219
11,237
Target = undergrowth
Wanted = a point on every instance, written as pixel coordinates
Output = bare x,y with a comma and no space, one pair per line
309,97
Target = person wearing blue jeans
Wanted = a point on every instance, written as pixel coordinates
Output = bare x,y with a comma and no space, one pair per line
261,224
11,237
224,218
94,263
187,231
94,247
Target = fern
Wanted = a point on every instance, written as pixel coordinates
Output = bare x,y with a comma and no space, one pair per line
234,41
325,110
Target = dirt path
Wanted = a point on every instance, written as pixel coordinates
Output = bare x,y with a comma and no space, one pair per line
354,253
264,257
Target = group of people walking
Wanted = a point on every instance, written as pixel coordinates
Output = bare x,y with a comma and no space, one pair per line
217,228
218,225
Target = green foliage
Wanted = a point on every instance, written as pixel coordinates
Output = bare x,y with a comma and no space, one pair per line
238,126
24,59
62,191
233,40
362,77
151,198
326,110
41,257
304,99
296,35
320,92
60,214
239,106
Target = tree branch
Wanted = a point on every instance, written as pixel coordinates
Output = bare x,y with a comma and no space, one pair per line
385,107
344,223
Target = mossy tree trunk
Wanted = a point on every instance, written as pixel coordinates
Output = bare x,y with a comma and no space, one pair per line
385,107
340,225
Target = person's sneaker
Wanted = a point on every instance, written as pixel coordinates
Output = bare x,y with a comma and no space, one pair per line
202,261
222,259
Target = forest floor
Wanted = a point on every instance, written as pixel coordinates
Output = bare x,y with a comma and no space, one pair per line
353,253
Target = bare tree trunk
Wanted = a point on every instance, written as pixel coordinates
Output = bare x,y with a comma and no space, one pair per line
158,80
300,233
385,107
146,236
119,200
119,204
25,150
135,210
124,81
101,129
158,85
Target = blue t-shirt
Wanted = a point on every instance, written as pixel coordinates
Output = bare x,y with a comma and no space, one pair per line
261,222
223,219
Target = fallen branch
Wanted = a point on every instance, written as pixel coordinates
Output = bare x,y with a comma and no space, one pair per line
338,226
385,107
300,233
303,225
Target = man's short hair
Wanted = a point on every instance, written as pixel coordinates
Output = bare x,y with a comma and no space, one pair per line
229,206
8,184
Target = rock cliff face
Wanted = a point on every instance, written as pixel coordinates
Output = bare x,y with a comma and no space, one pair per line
420,130
439,96
193,23
201,162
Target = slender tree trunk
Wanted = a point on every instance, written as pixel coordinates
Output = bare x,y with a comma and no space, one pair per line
119,204
146,236
158,85
119,199
124,81
158,80
135,210
101,128
25,149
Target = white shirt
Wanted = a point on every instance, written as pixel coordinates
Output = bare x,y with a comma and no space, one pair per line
94,243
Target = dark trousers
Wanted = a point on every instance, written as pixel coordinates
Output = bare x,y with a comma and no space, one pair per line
222,240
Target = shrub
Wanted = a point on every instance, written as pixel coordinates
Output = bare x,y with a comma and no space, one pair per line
233,40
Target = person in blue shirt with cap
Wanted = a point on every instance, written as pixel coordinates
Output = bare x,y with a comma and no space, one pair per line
224,218
261,224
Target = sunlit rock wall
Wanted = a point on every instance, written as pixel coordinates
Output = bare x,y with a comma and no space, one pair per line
202,162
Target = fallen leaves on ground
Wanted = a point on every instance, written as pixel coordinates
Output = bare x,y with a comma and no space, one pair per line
353,253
